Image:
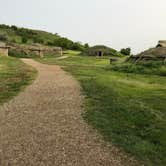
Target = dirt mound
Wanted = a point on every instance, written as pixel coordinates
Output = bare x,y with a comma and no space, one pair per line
158,53
101,50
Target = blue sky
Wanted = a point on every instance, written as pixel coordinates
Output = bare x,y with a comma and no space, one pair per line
138,24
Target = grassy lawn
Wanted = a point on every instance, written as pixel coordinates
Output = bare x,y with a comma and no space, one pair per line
75,60
127,109
14,76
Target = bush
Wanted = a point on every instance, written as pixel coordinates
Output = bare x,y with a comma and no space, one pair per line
38,40
151,64
14,28
117,54
77,46
125,51
3,37
24,40
49,43
86,45
3,26
14,41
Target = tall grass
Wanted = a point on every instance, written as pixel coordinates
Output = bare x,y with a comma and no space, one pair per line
128,109
150,67
14,76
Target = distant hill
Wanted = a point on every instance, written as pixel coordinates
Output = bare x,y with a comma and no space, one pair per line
19,35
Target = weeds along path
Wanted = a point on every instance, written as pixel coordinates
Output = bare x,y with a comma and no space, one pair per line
43,126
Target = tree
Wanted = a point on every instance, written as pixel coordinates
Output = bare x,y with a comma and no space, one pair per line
38,40
86,45
14,28
3,26
24,40
3,37
125,51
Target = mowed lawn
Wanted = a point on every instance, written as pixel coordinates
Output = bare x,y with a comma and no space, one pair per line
14,76
129,110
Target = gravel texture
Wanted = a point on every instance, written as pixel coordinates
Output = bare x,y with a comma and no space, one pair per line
43,126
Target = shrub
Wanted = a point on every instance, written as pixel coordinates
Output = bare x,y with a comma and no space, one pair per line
125,51
24,40
49,43
3,37
38,40
14,27
14,41
86,45
3,26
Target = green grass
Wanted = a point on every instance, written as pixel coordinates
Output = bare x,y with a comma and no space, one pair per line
149,67
128,109
14,76
76,60
71,52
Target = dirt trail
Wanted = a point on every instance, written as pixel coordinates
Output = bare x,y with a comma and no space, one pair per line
43,126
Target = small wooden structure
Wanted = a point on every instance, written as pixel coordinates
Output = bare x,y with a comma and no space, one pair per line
4,49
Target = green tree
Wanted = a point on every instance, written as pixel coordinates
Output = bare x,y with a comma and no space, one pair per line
14,28
24,40
125,51
78,46
38,40
86,45
3,37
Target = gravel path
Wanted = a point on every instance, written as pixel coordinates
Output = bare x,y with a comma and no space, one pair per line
42,126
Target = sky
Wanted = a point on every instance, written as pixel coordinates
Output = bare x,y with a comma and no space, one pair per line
138,24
